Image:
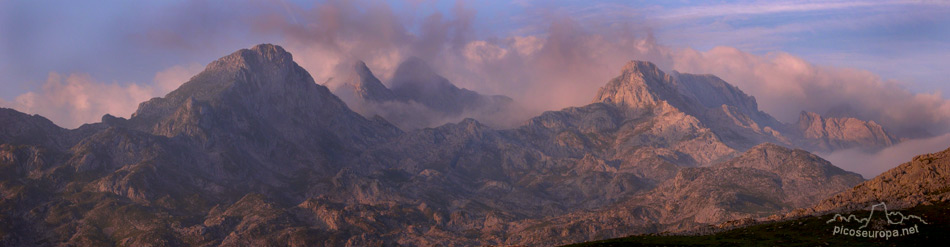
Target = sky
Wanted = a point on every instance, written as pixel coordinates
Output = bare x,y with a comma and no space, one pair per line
885,61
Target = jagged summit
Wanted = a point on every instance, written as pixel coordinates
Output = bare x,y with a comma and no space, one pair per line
642,67
418,98
367,86
732,114
362,69
829,133
254,90
640,85
272,51
264,68
260,58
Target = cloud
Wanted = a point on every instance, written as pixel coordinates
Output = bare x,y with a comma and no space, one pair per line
771,7
569,54
567,59
169,79
553,58
483,52
75,99
785,84
870,165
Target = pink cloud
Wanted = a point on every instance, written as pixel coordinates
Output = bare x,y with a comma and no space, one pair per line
870,165
75,99
785,84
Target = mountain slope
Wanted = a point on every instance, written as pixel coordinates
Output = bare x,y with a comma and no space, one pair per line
253,89
920,187
251,122
369,87
924,179
766,179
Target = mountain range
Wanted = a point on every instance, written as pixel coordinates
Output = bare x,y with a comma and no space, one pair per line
419,97
915,194
251,151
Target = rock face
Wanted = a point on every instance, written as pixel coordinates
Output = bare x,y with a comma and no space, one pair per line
924,179
368,87
252,152
734,116
251,122
765,179
805,177
831,133
20,128
419,97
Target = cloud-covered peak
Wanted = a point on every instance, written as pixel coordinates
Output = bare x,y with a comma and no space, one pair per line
415,72
419,97
367,86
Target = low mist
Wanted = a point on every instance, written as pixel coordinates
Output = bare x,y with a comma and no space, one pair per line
870,165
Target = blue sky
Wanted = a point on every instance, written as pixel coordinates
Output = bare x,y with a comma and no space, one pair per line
129,43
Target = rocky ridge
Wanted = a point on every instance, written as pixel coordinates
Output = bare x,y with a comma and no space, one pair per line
833,133
419,97
252,152
923,180
767,178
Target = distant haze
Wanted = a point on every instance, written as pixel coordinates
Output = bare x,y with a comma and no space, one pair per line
870,165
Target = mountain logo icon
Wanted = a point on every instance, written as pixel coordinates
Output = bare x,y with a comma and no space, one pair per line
892,218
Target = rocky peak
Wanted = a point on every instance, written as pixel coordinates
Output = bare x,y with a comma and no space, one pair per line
362,70
264,72
829,133
810,120
779,159
252,90
642,67
263,58
640,85
367,86
418,97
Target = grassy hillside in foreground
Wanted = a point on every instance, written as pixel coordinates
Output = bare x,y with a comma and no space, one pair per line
808,231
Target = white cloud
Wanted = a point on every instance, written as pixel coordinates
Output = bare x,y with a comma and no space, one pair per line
870,165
